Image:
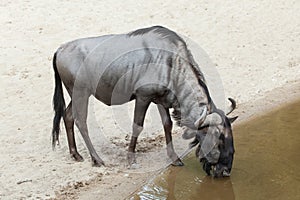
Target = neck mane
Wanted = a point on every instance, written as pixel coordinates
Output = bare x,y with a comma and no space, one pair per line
192,93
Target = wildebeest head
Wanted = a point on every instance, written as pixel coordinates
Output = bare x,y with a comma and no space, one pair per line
216,148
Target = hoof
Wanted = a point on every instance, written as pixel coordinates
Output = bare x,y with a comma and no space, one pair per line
77,157
131,159
97,163
177,162
134,166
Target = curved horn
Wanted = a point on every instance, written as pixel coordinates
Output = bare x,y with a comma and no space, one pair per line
212,119
232,107
201,118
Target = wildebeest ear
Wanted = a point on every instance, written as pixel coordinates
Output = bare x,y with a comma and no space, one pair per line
232,119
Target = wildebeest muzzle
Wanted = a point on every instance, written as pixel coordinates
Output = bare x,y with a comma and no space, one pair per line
216,160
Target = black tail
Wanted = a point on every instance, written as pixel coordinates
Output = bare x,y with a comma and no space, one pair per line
58,104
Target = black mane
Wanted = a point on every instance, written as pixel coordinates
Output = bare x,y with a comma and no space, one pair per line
143,31
199,75
162,31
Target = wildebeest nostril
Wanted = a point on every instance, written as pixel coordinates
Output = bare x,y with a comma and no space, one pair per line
221,171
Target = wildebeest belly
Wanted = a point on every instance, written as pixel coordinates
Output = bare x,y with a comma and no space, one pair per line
120,85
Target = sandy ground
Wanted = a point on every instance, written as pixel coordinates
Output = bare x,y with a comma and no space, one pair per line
253,45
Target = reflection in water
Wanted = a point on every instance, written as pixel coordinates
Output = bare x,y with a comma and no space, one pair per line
266,165
186,182
184,185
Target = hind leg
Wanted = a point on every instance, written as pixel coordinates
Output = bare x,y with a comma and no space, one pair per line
80,109
69,124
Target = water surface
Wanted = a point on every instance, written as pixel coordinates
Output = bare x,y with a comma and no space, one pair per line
266,165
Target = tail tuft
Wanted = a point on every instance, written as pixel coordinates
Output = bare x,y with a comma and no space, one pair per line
58,105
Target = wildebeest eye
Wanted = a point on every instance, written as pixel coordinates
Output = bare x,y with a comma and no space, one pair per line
222,137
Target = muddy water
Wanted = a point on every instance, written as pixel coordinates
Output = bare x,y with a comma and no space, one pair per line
266,165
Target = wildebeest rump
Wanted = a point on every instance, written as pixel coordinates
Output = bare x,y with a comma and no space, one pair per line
150,65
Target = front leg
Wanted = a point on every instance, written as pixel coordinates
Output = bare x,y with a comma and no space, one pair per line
131,150
140,109
167,123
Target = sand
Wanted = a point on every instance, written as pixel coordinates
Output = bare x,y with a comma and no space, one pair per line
252,45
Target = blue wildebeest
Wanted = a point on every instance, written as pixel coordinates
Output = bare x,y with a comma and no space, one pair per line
147,65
